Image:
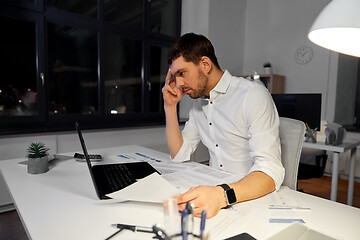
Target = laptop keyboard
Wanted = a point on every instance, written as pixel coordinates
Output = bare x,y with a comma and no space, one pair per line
118,176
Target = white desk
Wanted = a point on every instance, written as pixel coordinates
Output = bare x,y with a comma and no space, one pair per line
346,146
62,204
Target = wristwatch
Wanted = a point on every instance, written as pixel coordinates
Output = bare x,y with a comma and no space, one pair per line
229,194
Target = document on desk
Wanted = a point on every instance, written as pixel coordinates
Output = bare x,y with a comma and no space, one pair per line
164,166
195,174
181,175
136,157
284,207
153,188
285,199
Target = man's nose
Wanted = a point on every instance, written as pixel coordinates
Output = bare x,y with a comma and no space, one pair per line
179,82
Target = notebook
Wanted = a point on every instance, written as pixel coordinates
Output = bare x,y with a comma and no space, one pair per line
108,178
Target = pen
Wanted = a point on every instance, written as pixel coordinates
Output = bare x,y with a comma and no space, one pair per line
202,223
310,132
114,234
190,216
160,234
134,228
184,224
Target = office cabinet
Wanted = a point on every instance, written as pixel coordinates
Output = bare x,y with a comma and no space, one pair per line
275,83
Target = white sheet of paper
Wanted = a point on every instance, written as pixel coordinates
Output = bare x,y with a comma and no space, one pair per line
153,188
279,201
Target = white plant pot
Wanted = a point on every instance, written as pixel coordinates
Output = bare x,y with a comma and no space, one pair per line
267,70
38,165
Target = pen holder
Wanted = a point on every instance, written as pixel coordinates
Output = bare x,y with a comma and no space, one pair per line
180,227
310,136
171,217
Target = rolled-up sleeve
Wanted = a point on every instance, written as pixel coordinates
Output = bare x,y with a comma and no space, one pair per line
191,140
263,132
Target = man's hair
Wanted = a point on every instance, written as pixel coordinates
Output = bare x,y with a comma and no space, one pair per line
192,47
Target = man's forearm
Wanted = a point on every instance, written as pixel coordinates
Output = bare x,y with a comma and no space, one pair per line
173,134
254,185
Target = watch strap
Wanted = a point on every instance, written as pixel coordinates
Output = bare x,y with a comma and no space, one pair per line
225,186
229,194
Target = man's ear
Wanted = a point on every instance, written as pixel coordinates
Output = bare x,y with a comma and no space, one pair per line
205,64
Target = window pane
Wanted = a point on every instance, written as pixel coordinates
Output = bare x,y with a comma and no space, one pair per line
124,12
84,7
18,93
158,71
73,78
163,17
122,74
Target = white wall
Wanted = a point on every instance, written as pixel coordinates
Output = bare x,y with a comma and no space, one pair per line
224,25
226,32
274,30
248,33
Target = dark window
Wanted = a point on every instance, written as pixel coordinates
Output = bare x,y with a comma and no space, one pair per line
158,70
122,75
161,17
87,8
73,77
18,89
101,63
128,13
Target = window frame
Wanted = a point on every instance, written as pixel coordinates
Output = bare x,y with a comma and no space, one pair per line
44,122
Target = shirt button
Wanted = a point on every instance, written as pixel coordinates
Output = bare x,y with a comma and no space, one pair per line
220,165
216,145
210,124
211,102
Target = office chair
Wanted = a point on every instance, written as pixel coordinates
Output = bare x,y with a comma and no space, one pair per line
292,134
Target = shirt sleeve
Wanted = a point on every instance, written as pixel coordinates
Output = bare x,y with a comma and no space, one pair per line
263,132
191,140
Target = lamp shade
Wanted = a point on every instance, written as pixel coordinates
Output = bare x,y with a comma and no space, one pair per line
338,27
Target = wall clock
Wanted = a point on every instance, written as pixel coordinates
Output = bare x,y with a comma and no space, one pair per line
303,55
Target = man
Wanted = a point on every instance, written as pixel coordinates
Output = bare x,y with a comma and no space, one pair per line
235,119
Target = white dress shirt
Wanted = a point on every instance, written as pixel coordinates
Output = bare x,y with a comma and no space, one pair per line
239,125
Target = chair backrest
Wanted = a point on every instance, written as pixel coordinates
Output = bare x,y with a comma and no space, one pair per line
291,138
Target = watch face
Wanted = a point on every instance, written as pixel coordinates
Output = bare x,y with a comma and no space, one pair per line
303,55
230,195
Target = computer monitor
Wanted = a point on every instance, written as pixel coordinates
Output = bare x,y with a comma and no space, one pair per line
301,106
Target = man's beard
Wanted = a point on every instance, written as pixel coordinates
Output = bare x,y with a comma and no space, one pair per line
201,87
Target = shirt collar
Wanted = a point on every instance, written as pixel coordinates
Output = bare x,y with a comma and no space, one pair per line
224,83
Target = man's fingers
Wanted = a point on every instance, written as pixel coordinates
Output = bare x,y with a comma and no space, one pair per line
184,198
169,77
169,89
168,81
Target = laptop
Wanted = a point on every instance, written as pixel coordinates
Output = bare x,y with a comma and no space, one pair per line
108,178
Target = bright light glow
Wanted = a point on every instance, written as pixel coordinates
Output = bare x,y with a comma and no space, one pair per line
343,40
113,112
337,27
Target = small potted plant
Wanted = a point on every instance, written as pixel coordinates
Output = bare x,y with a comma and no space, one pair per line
267,68
37,154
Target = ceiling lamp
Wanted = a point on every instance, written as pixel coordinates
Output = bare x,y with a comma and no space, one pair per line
338,27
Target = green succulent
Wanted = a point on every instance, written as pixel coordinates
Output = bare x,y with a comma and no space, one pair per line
37,150
267,64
